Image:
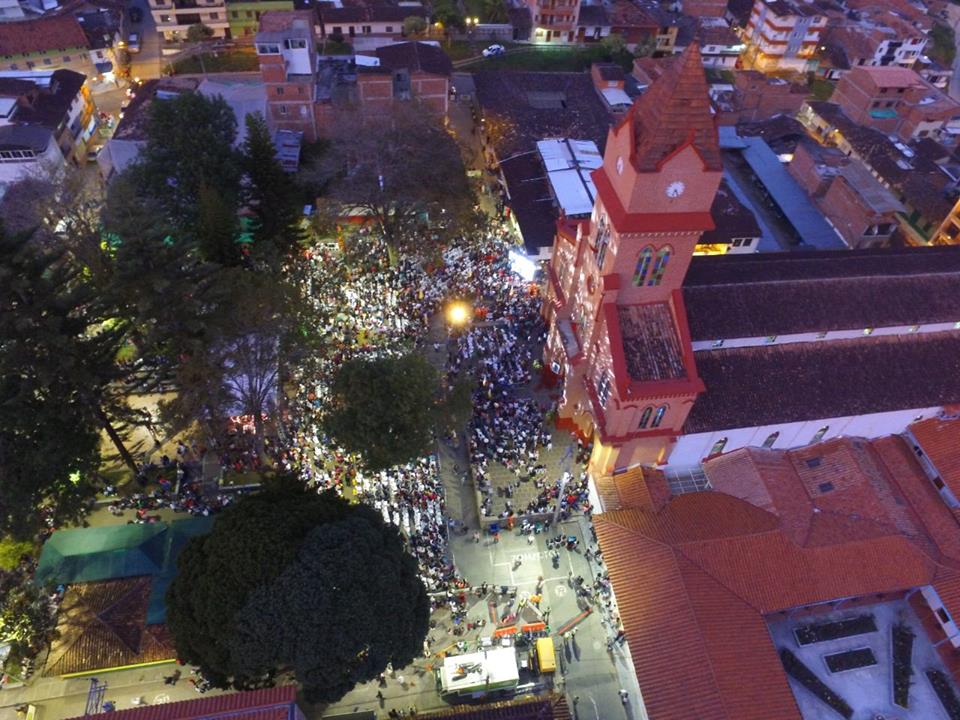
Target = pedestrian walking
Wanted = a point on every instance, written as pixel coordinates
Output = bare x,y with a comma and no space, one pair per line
476,536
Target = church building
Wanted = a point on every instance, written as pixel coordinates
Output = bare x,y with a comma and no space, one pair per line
668,359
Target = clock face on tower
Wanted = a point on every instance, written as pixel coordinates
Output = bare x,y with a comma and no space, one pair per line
675,189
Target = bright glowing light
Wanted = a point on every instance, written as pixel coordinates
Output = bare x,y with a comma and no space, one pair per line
458,313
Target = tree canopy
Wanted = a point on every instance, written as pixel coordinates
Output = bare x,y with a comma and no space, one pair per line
292,581
57,372
402,169
386,409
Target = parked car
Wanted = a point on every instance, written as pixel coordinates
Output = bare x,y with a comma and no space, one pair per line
133,43
136,14
494,50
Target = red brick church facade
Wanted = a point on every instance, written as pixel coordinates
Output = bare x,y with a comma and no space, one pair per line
618,331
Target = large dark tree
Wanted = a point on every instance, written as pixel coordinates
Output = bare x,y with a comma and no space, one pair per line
269,193
189,145
402,169
289,581
385,409
57,374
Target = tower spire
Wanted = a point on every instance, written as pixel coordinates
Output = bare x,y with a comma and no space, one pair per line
675,111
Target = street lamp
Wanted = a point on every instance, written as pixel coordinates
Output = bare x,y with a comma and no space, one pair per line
458,313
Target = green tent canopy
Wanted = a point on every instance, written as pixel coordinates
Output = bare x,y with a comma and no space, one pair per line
120,551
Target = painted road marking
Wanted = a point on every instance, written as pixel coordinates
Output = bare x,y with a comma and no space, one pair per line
161,698
560,590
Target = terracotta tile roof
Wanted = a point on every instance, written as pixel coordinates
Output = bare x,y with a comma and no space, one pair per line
650,345
940,442
676,111
770,384
103,625
37,36
939,521
551,707
268,704
778,293
415,57
695,580
639,488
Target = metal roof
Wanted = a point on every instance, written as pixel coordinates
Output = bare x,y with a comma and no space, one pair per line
790,197
569,164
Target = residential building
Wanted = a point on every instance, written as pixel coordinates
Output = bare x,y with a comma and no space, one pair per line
610,81
46,120
375,20
755,97
744,581
554,20
46,43
784,34
102,29
920,174
271,703
304,91
406,70
243,16
934,73
288,66
862,210
873,45
174,17
897,100
720,46
667,358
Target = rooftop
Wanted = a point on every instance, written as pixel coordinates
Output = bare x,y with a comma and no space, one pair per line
415,57
940,442
673,112
699,578
650,345
269,704
45,101
56,32
568,164
770,384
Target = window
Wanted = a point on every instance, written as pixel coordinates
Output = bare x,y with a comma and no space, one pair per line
337,30
603,388
31,64
389,28
164,18
46,61
283,109
771,440
603,240
366,29
825,487
279,91
659,266
249,13
234,14
645,417
718,447
268,49
820,433
214,16
813,462
643,266
66,58
295,44
658,418
943,615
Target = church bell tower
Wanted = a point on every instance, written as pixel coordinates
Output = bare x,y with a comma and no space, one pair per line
618,330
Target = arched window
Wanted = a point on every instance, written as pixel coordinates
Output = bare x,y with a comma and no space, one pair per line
820,433
718,447
660,265
645,417
658,418
603,241
643,266
771,439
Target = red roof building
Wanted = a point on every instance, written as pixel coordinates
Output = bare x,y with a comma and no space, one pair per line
784,534
279,703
